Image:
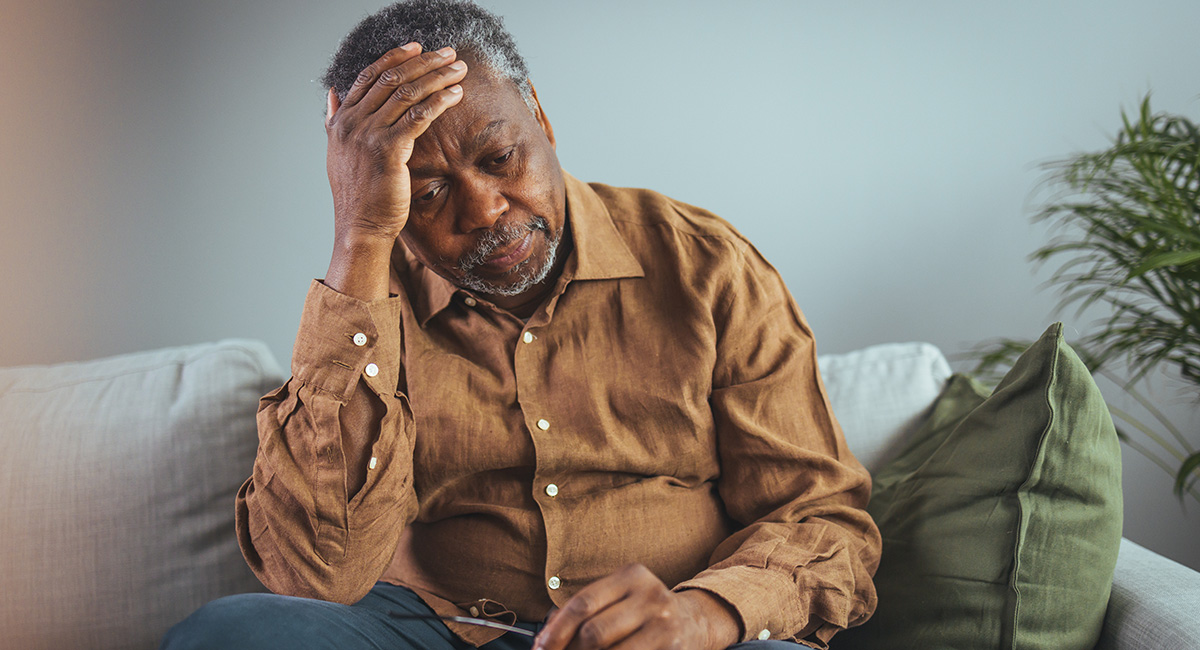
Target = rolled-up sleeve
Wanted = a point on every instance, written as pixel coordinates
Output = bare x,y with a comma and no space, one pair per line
801,567
300,529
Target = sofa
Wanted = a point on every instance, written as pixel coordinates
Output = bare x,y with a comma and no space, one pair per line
117,480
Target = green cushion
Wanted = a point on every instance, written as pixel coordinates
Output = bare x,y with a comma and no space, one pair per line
1001,517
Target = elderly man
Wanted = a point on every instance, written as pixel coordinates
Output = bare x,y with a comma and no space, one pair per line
589,413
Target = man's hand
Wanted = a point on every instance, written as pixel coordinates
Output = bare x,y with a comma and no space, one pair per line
371,134
633,609
371,137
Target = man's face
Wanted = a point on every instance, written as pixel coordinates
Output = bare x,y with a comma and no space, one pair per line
488,199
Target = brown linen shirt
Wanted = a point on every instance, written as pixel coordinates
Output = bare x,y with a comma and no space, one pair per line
663,406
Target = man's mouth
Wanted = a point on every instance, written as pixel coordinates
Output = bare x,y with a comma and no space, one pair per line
506,256
506,259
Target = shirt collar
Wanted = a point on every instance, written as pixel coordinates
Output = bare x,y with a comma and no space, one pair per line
599,253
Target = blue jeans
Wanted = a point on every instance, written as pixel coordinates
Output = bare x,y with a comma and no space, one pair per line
270,622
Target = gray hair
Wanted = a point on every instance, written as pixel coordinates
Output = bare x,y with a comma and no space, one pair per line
460,24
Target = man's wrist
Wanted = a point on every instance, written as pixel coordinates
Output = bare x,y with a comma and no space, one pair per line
723,626
359,266
356,239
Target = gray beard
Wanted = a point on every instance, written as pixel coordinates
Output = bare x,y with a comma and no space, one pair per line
530,271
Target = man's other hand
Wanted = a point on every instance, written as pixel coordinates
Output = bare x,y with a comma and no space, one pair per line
371,134
633,609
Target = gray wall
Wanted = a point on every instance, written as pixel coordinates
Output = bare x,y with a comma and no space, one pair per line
163,162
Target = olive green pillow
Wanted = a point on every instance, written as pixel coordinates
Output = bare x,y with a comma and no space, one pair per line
1001,517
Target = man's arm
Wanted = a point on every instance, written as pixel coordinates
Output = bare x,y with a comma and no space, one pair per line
332,484
305,526
801,567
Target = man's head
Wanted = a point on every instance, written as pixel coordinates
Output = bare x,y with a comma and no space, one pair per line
434,24
488,207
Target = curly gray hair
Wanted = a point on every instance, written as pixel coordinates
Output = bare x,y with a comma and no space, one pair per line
460,24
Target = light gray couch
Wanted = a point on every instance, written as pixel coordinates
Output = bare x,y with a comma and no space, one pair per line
117,480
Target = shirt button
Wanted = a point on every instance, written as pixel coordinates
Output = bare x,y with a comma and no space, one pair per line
528,338
554,582
552,490
360,339
543,425
474,610
764,635
372,370
373,463
469,301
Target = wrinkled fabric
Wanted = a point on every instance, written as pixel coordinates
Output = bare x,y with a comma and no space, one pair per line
667,390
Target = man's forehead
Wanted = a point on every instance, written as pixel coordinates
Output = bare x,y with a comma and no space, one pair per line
482,136
463,139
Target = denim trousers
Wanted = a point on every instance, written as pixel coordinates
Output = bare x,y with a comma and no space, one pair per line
273,622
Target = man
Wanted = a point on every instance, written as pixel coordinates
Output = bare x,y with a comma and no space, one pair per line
589,412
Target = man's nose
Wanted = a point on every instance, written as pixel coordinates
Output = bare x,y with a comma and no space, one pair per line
481,205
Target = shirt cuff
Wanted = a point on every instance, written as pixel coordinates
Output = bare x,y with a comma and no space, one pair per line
342,339
766,601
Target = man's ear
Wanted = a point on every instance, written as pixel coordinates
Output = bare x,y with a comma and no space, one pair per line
332,104
541,117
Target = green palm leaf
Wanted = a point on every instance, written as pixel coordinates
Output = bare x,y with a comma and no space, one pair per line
1126,224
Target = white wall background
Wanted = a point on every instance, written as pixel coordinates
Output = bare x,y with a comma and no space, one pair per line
163,162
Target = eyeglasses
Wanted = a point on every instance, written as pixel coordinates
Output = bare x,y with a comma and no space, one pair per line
465,619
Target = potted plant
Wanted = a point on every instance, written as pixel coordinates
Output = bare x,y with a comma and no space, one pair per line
1127,224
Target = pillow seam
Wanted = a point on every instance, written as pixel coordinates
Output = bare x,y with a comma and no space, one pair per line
1014,613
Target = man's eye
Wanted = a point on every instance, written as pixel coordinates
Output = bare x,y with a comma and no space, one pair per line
500,160
428,195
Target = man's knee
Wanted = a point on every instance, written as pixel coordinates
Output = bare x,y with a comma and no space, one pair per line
258,621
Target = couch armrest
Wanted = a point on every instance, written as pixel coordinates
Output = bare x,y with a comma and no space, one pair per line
1155,603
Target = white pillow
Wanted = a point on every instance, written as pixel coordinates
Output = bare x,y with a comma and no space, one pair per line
117,485
881,393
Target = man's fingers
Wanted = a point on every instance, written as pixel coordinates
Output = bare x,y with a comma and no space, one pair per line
408,96
590,601
609,627
413,92
563,625
417,119
647,637
403,76
366,79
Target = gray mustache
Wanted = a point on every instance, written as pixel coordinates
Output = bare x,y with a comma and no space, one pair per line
498,237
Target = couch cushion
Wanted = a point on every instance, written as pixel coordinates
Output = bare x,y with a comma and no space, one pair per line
881,393
1001,518
117,485
1154,603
